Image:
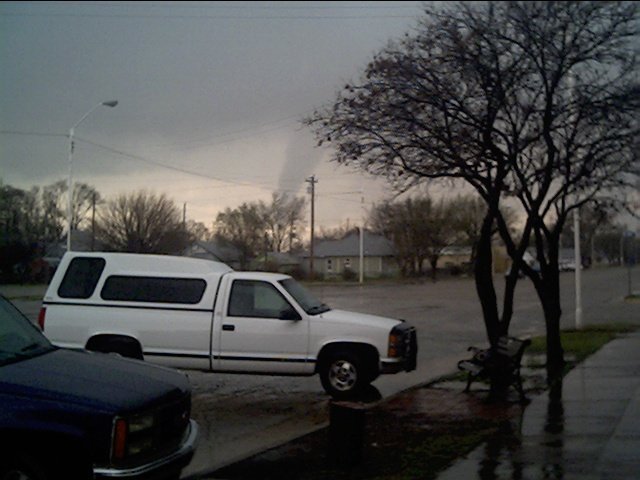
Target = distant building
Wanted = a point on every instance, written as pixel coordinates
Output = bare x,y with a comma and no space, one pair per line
215,251
81,241
333,257
278,262
455,256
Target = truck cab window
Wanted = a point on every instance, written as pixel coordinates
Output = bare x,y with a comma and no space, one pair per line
256,299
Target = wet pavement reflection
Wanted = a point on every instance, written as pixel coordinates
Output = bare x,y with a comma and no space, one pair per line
511,456
586,426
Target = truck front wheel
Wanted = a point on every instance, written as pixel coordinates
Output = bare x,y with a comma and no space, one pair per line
21,466
343,374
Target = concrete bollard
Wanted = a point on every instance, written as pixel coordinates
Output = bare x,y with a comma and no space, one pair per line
346,433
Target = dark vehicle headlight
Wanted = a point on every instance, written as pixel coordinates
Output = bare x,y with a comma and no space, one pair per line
143,436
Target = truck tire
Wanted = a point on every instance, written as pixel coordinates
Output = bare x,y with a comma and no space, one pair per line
343,374
127,347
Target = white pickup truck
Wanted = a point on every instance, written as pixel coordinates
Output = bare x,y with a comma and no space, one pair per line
197,314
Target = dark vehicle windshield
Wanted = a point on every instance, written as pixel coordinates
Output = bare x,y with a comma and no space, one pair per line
19,338
305,299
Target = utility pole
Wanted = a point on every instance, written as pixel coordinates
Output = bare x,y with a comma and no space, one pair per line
577,257
312,191
93,221
184,216
577,254
362,238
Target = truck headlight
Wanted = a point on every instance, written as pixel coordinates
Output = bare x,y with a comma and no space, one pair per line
129,436
395,344
141,422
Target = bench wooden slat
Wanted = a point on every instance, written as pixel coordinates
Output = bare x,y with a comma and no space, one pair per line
503,360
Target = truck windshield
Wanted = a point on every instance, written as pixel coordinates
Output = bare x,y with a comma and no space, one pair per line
305,299
19,338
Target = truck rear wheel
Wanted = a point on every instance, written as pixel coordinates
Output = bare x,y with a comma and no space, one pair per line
343,374
127,347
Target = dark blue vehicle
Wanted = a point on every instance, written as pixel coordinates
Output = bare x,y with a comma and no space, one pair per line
78,415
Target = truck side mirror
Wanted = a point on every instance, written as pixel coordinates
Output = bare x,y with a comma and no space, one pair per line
289,314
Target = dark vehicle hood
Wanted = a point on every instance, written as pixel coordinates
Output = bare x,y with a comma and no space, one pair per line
97,380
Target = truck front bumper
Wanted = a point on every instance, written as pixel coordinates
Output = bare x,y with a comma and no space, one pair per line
165,467
407,354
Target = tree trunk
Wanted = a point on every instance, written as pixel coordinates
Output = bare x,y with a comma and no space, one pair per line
549,292
484,282
433,261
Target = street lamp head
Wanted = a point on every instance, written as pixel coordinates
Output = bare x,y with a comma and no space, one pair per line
109,103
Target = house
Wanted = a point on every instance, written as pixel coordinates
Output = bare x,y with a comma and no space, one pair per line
459,258
215,251
340,257
278,262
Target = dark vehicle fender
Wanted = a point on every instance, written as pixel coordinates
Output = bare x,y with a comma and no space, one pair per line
47,428
62,454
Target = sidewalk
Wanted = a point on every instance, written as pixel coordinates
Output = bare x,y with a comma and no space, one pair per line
587,428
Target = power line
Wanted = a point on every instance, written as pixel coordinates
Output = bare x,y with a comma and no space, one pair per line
219,6
33,134
230,140
160,164
203,17
156,163
182,170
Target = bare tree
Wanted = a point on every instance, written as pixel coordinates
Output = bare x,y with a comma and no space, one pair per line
32,215
467,214
420,228
244,228
198,230
593,220
85,199
533,101
142,222
334,233
54,200
256,227
283,220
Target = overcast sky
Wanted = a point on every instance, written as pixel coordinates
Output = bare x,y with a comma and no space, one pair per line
210,97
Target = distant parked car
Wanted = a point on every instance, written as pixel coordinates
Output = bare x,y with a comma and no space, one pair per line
566,265
78,415
529,260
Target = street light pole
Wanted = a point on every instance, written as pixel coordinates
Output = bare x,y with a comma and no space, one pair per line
362,238
577,256
111,103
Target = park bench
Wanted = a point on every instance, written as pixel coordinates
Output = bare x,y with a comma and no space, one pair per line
500,364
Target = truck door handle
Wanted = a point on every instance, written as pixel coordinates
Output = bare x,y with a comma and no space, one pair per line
228,328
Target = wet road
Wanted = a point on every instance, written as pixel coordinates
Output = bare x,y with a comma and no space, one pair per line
243,414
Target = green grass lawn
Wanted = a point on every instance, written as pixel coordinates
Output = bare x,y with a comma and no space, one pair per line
579,344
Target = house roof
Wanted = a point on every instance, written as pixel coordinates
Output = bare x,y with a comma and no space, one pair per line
223,253
349,246
81,241
282,258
